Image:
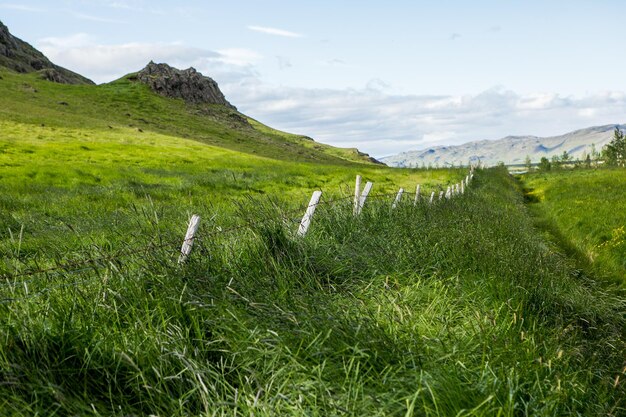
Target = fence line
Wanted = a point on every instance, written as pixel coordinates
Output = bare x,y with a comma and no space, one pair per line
359,199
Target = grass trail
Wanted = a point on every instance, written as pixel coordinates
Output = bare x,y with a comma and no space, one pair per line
585,212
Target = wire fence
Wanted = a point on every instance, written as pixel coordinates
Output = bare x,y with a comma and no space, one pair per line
19,281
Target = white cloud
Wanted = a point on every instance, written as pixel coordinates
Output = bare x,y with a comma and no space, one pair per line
71,41
376,84
437,137
383,124
368,118
121,5
21,7
238,56
102,63
274,31
334,63
283,62
538,101
133,6
84,16
587,112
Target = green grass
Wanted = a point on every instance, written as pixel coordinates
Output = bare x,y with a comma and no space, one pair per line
454,309
124,105
460,308
585,210
77,163
68,187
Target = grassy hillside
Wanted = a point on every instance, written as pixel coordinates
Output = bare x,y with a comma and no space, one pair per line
63,188
454,309
82,165
124,104
585,210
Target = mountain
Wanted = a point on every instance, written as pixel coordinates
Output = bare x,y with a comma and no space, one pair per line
21,57
511,150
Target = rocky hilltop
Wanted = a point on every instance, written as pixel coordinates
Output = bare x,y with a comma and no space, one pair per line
189,84
19,56
511,150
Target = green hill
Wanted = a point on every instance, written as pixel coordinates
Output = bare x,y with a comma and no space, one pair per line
127,104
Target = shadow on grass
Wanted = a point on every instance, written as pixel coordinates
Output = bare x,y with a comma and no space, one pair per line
548,227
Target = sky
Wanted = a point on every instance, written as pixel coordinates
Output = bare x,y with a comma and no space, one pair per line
382,76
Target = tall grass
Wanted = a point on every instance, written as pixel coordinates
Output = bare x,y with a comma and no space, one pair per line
459,308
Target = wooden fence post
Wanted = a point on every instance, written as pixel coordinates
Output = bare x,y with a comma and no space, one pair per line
432,197
308,215
457,189
462,187
185,250
417,194
440,194
364,194
448,193
357,195
398,197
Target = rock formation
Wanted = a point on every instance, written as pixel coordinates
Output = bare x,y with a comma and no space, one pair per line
189,84
19,56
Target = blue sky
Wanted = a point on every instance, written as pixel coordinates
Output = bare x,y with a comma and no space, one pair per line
381,76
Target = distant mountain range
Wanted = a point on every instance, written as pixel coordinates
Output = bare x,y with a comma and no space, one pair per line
511,150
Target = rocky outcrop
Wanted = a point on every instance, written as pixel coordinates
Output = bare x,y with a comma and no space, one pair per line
189,84
19,56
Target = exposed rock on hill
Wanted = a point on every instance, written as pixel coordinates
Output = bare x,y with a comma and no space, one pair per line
19,56
189,84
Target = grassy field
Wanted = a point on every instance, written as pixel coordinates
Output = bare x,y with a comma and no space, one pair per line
459,308
64,188
102,165
585,211
454,309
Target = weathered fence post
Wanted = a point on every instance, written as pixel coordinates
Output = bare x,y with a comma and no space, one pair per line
462,187
432,197
398,197
440,194
457,189
448,193
417,194
363,197
357,195
308,215
185,250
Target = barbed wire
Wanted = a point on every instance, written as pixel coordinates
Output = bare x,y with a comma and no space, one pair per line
48,289
73,268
